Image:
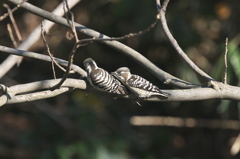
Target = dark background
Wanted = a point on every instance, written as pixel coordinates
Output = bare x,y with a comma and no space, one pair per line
94,125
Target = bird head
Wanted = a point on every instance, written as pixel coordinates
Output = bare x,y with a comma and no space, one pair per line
123,74
89,65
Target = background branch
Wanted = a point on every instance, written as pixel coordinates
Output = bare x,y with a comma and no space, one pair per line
225,62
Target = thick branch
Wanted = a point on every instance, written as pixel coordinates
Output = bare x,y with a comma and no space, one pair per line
39,90
38,95
47,84
224,91
176,45
160,74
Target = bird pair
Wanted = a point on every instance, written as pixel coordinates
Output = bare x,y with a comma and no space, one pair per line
120,82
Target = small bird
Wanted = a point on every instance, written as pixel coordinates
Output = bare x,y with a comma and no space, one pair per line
138,85
101,80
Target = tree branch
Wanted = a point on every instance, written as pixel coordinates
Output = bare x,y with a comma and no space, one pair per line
176,45
38,95
13,22
224,92
39,90
160,74
38,56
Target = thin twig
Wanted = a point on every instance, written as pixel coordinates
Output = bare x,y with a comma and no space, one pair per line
225,62
48,50
12,36
13,10
76,45
176,45
130,35
13,22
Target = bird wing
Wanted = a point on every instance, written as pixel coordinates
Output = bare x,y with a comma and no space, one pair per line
140,83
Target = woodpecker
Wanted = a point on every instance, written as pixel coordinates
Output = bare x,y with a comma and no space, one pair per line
101,80
138,85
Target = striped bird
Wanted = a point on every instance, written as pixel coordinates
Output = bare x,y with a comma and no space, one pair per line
101,80
138,85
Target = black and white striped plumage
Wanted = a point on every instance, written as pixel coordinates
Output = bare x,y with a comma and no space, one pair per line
138,85
101,80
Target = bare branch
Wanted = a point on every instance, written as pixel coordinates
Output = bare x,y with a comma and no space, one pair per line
39,90
12,36
160,74
71,55
34,55
47,84
176,45
38,95
225,62
13,22
224,92
48,50
70,61
12,11
32,38
122,37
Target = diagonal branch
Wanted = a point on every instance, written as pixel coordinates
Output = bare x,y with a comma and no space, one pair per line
176,45
13,22
38,56
48,50
160,74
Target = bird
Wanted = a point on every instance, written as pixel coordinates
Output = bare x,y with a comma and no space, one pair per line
101,80
138,85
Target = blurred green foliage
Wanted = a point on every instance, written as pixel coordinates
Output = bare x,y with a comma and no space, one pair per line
94,125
